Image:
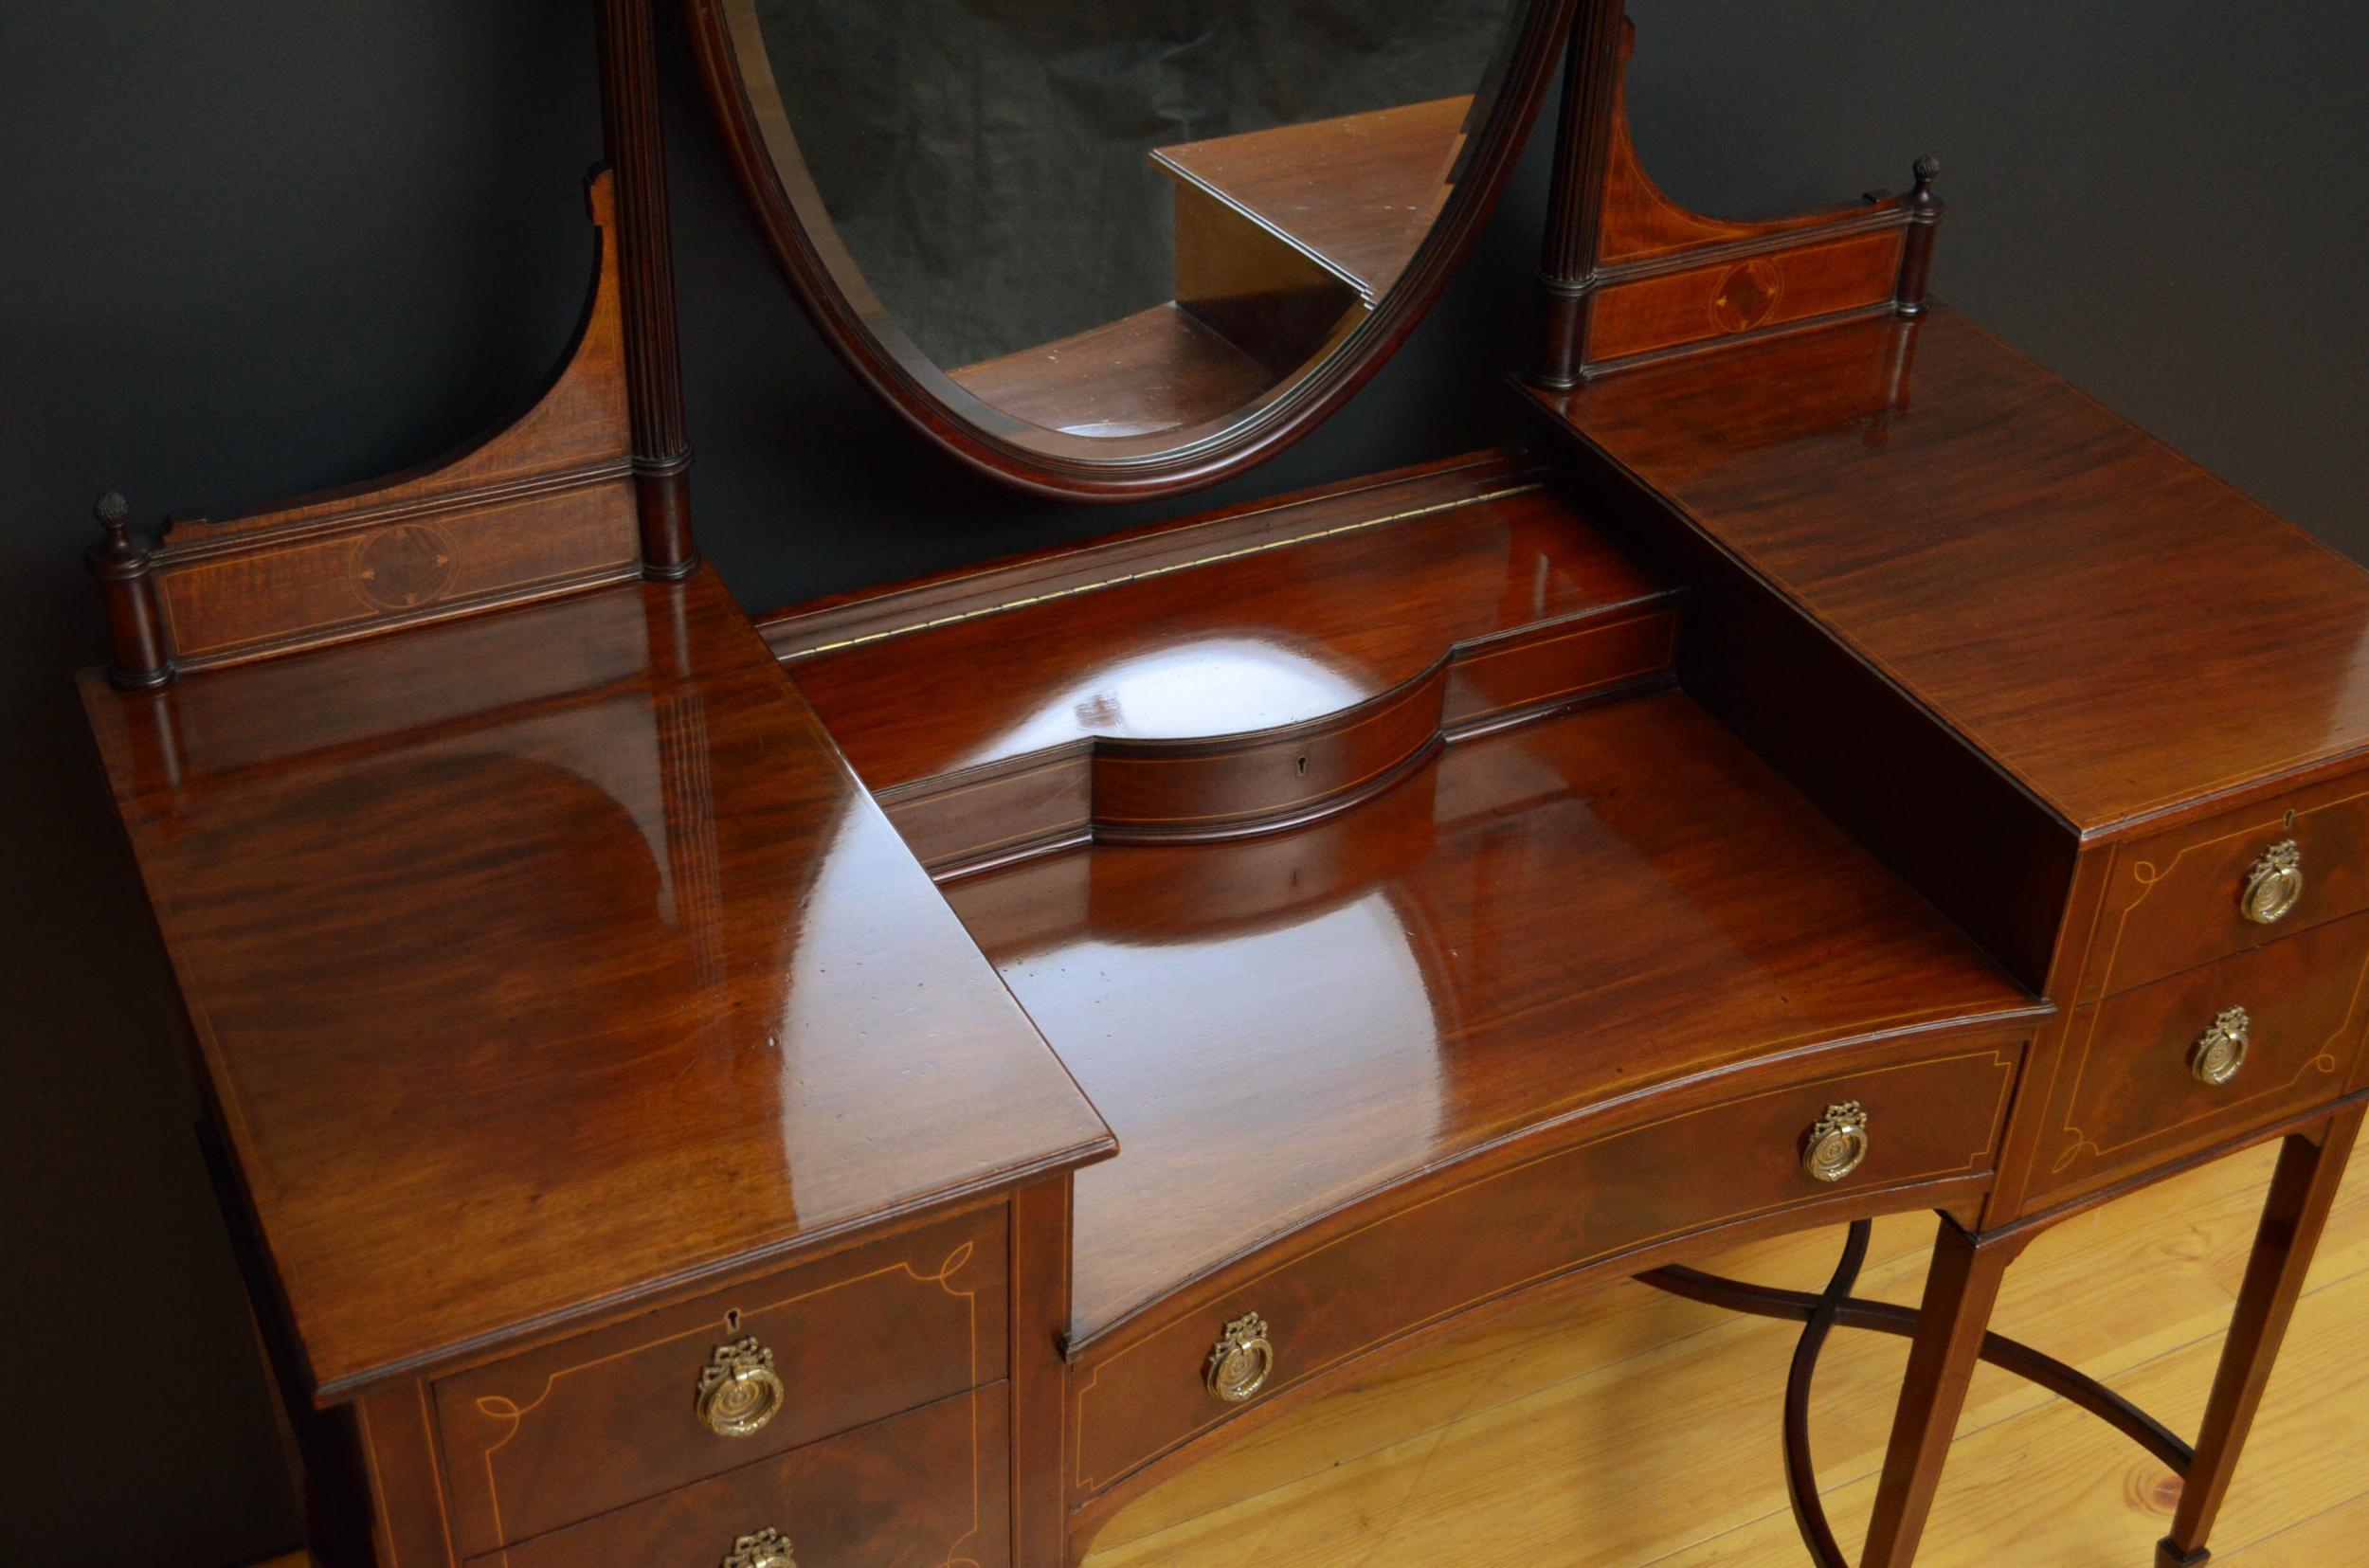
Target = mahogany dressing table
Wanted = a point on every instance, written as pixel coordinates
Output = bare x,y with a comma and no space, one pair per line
888,1082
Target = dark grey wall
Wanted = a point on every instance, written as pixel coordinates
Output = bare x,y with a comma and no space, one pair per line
245,249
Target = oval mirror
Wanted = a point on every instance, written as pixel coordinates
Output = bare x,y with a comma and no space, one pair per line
1117,250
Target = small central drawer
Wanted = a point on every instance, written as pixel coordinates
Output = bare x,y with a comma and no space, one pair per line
568,1430
2159,1071
917,1490
1803,1135
2205,890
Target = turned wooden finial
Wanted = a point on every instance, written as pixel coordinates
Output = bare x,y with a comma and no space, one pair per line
123,569
115,521
1916,253
1920,199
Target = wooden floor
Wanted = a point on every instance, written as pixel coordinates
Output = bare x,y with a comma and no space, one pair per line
1626,1427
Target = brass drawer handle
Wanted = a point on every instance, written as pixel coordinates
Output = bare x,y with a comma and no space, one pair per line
1837,1143
2274,884
1240,1361
738,1391
2221,1051
765,1549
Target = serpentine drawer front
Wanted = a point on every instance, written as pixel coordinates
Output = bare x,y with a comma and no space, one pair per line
571,1429
1768,1148
2152,1074
2205,890
916,1490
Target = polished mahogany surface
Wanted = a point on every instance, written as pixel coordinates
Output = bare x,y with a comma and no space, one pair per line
2110,623
1263,639
1283,239
1141,375
545,960
1357,193
1538,921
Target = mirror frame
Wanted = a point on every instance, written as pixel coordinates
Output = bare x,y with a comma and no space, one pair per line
867,339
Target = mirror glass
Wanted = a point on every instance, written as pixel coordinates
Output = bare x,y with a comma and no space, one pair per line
1133,224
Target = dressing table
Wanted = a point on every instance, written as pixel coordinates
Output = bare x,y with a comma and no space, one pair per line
891,1080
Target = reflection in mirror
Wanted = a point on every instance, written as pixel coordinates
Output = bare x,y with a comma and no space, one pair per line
1116,221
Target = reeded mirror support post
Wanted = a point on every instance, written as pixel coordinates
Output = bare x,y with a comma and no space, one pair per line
1575,201
635,139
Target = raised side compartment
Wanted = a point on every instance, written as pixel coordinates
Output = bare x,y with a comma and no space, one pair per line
570,1081
2111,698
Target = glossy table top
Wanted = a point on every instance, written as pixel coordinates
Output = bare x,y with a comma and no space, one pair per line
2116,627
1265,638
1358,192
1534,922
546,958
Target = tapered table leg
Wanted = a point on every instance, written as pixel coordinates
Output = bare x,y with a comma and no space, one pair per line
1959,1294
2292,1218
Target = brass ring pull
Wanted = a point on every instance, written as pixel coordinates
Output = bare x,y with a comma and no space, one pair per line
765,1549
2221,1051
1837,1144
1240,1361
2274,884
738,1390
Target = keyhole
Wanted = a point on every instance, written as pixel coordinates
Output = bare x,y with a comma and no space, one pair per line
1302,767
732,1320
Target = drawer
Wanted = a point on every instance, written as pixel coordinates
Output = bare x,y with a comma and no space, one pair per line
1450,1246
571,1430
2128,1093
924,1488
2178,898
